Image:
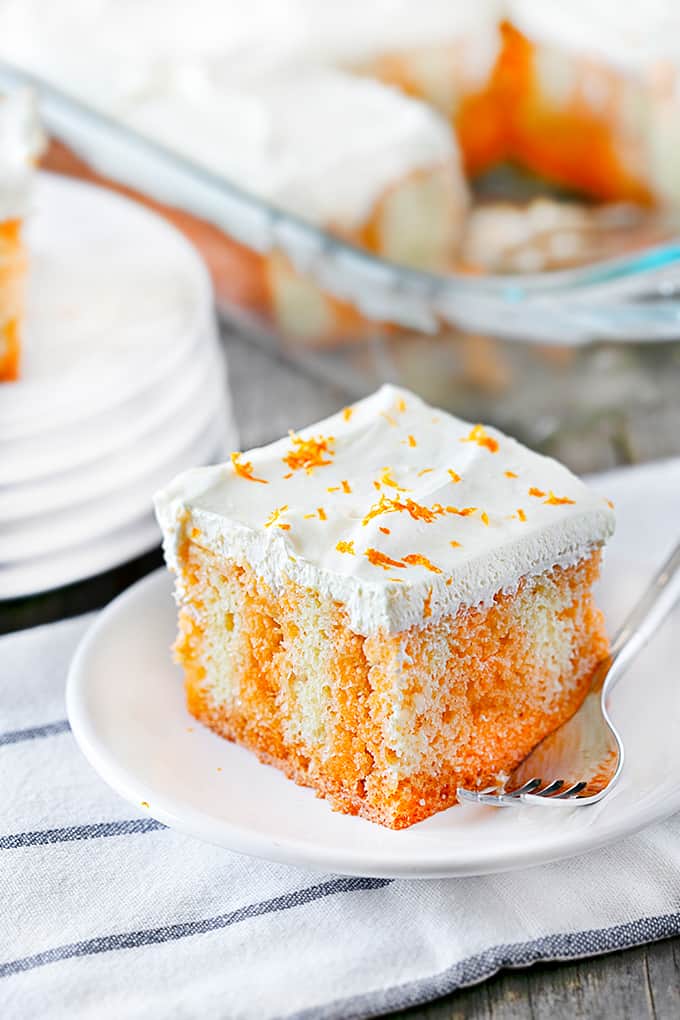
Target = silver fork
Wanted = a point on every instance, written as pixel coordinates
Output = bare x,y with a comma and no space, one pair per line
580,762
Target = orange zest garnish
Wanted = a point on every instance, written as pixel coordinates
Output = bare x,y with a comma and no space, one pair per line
456,545
346,487
244,469
427,604
289,475
521,515
425,471
419,512
274,516
388,418
387,479
479,435
333,488
417,560
306,454
387,505
485,518
385,531
554,500
401,405
347,413
412,441
510,474
610,503
346,547
379,559
284,527
455,477
539,493
322,513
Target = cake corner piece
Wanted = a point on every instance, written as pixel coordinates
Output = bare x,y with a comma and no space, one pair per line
387,605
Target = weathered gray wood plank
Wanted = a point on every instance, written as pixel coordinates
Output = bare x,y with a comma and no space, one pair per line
663,975
271,396
637,984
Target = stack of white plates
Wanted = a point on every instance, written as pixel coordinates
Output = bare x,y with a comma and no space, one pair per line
123,385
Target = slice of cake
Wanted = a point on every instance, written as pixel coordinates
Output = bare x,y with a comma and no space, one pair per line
388,605
20,143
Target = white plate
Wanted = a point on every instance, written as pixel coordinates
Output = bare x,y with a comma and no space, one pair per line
49,454
116,297
81,524
119,546
117,487
122,451
46,573
126,706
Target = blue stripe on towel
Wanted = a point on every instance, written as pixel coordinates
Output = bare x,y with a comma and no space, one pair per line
97,830
35,732
168,933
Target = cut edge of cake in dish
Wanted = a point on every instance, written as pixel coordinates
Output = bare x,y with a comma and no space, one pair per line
387,605
20,143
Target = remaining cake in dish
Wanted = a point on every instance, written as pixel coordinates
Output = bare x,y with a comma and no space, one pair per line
388,605
444,52
242,92
597,87
20,141
342,152
358,117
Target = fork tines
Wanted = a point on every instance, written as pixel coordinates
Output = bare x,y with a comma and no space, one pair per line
535,787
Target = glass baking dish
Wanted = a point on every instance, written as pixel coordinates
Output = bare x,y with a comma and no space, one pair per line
587,352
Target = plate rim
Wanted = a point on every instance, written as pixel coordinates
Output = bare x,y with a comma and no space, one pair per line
23,472
130,502
138,536
165,450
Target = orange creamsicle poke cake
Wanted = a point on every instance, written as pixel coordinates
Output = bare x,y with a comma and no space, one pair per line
387,605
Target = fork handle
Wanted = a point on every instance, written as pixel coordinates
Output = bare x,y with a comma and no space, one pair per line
645,618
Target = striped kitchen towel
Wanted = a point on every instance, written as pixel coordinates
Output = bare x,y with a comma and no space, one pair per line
105,914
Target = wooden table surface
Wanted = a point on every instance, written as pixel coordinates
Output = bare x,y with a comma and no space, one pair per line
270,396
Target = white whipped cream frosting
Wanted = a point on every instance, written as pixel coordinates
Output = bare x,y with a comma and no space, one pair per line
630,35
355,32
132,39
316,142
21,141
371,445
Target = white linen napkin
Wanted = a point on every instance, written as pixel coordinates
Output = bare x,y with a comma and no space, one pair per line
104,913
